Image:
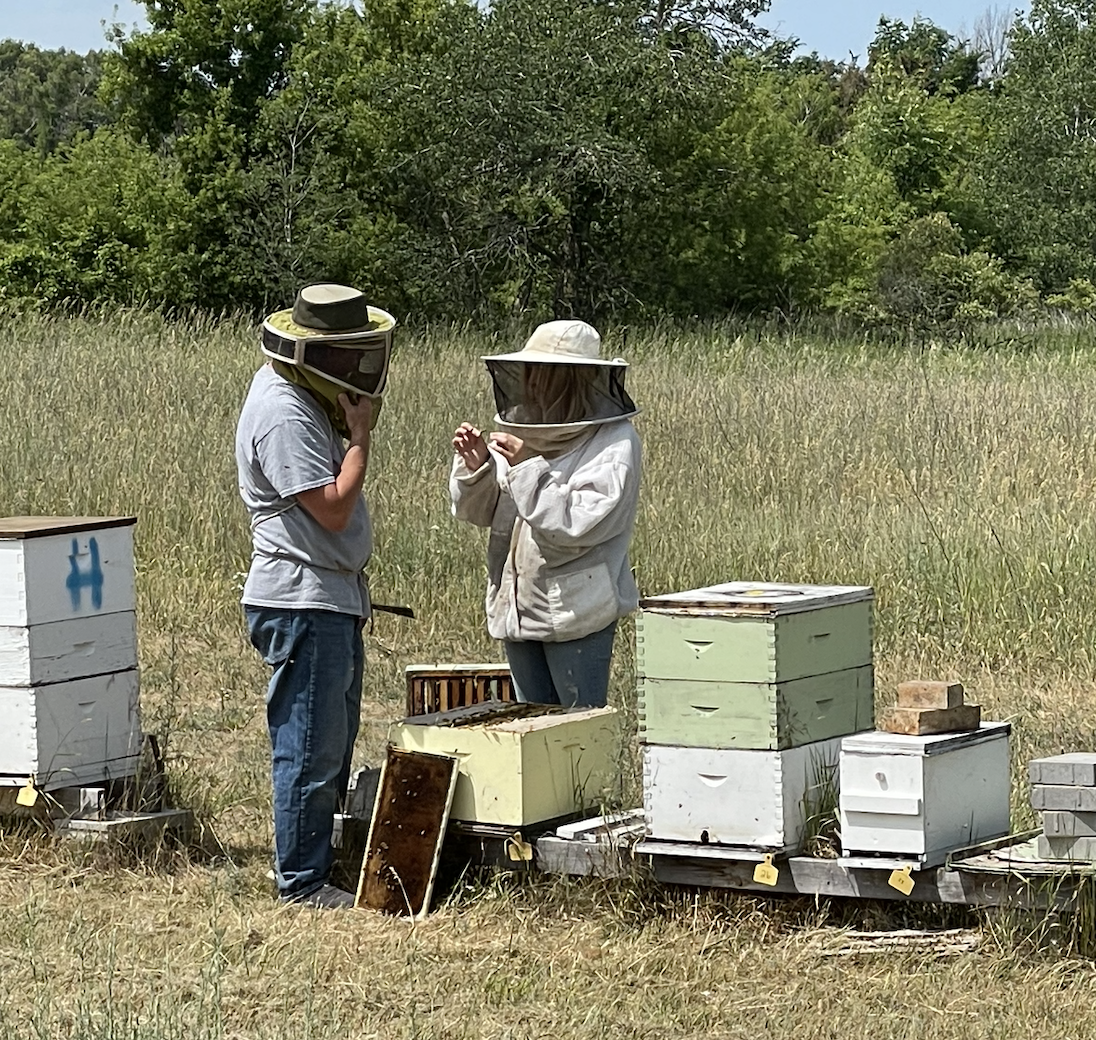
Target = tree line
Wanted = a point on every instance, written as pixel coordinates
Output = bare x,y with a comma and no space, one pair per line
603,157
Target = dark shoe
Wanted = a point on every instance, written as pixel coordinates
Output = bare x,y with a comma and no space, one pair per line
327,897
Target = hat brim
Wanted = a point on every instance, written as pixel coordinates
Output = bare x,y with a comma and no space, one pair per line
541,358
581,424
282,322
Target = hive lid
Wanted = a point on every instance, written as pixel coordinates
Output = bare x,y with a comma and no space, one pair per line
751,598
876,742
40,526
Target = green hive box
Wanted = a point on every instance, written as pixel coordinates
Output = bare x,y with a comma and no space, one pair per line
762,666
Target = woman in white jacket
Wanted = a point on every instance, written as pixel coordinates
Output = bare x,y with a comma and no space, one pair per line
558,485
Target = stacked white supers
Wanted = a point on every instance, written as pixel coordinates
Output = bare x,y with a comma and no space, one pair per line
1063,791
69,690
745,691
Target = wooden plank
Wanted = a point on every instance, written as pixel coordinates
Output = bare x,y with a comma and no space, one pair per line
801,875
406,834
554,855
119,825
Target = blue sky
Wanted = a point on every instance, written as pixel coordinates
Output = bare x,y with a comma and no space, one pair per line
832,29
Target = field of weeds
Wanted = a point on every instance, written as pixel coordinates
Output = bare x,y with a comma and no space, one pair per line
959,482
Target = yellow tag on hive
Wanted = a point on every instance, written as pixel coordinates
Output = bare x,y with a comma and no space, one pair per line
901,880
27,795
765,873
517,849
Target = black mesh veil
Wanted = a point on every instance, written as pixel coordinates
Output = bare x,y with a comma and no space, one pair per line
358,363
547,393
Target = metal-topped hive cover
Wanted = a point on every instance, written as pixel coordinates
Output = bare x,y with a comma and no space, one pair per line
755,597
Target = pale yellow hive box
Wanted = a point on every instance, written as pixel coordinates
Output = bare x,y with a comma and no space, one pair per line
522,771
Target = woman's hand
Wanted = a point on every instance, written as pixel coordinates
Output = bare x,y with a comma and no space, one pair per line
511,448
469,444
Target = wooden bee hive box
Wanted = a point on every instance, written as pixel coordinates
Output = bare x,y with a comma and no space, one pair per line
69,689
755,666
524,770
924,796
753,798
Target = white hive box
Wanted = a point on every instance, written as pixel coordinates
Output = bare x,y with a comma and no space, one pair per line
923,797
64,734
62,650
527,770
760,799
69,704
61,568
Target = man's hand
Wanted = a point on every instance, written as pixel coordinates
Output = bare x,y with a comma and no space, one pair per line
511,448
359,416
469,444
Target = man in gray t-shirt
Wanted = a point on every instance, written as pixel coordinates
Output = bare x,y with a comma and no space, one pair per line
302,449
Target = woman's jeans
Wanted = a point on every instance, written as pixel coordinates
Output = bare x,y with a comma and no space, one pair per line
312,708
572,673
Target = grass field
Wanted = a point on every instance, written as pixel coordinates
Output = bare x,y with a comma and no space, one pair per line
959,482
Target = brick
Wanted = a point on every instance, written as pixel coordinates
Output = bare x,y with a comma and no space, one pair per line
922,694
924,721
1059,798
1069,824
1078,767
1077,850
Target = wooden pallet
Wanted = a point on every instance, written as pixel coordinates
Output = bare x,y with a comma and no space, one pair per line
988,874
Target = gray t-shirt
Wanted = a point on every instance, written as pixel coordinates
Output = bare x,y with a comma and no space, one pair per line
285,444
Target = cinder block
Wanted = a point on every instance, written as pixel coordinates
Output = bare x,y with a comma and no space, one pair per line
1076,850
1058,824
1058,798
1078,767
921,694
919,722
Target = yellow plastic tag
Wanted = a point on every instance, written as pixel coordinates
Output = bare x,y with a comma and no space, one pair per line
765,873
27,795
901,880
517,849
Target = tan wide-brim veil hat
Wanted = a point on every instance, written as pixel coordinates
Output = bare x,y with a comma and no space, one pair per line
521,380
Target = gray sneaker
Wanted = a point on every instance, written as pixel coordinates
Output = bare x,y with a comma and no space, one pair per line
327,897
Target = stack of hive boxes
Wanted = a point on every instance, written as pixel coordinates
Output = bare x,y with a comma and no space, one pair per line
1064,792
745,691
69,709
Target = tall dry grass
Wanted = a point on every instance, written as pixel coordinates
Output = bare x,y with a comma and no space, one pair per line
957,482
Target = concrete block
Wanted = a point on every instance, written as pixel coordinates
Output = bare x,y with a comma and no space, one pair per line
1076,850
921,694
1061,798
1078,767
1069,824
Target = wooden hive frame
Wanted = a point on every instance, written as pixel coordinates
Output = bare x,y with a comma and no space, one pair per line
443,687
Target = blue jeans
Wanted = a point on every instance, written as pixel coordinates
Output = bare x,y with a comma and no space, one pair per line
572,673
312,708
